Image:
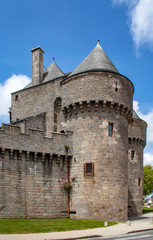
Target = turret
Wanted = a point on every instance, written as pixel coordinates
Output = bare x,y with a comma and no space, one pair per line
97,104
137,142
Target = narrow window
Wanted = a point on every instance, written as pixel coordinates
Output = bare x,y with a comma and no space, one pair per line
110,129
139,181
89,169
116,88
16,97
132,154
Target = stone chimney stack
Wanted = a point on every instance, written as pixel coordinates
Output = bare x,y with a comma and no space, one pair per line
37,65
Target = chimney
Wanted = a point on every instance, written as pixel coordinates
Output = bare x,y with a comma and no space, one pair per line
37,65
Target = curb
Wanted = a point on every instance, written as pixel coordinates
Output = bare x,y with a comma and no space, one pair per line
135,231
72,238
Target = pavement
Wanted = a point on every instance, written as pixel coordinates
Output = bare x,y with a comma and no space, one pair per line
142,223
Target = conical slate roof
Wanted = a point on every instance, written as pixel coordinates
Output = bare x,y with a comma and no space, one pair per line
52,72
135,115
96,60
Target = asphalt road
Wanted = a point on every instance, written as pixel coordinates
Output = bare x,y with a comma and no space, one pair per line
147,235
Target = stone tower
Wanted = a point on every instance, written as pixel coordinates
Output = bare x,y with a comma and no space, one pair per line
97,105
137,142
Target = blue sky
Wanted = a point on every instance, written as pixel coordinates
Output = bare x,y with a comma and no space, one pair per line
68,30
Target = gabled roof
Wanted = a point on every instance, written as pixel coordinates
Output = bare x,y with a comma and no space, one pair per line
96,60
52,72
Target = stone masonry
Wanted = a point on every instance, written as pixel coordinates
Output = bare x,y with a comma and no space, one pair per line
74,145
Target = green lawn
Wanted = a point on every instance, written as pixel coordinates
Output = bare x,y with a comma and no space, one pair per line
147,210
46,225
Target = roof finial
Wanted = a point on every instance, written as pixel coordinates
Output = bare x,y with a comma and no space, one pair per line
98,41
53,59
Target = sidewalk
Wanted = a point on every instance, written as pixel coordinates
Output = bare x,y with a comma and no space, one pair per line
145,222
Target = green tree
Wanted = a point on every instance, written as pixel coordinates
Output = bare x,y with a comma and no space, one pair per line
147,179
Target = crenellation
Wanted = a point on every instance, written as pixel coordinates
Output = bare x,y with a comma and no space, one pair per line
97,106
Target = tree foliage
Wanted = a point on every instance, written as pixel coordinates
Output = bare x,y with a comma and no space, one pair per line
147,179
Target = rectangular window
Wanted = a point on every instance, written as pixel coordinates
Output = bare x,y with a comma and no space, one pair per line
110,129
132,154
116,88
89,169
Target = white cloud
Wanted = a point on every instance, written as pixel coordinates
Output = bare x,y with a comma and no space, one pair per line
140,13
148,158
14,83
147,118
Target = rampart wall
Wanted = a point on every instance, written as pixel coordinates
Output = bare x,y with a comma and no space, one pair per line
33,170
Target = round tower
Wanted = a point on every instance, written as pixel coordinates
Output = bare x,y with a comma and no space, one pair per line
137,142
97,105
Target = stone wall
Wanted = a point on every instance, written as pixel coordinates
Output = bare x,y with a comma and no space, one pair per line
33,170
98,86
36,100
34,122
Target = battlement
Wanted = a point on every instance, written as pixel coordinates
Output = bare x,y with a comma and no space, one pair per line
137,130
34,143
136,141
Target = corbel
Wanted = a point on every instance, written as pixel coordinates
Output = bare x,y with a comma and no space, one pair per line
88,106
117,108
74,108
43,157
104,106
81,106
69,111
35,157
58,159
122,110
64,112
51,159
126,111
20,155
111,107
27,156
3,152
11,153
96,105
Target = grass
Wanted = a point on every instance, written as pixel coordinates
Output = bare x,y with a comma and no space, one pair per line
147,210
8,226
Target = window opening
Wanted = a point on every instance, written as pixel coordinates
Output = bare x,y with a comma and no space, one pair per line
110,129
139,181
16,97
89,169
132,154
116,88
